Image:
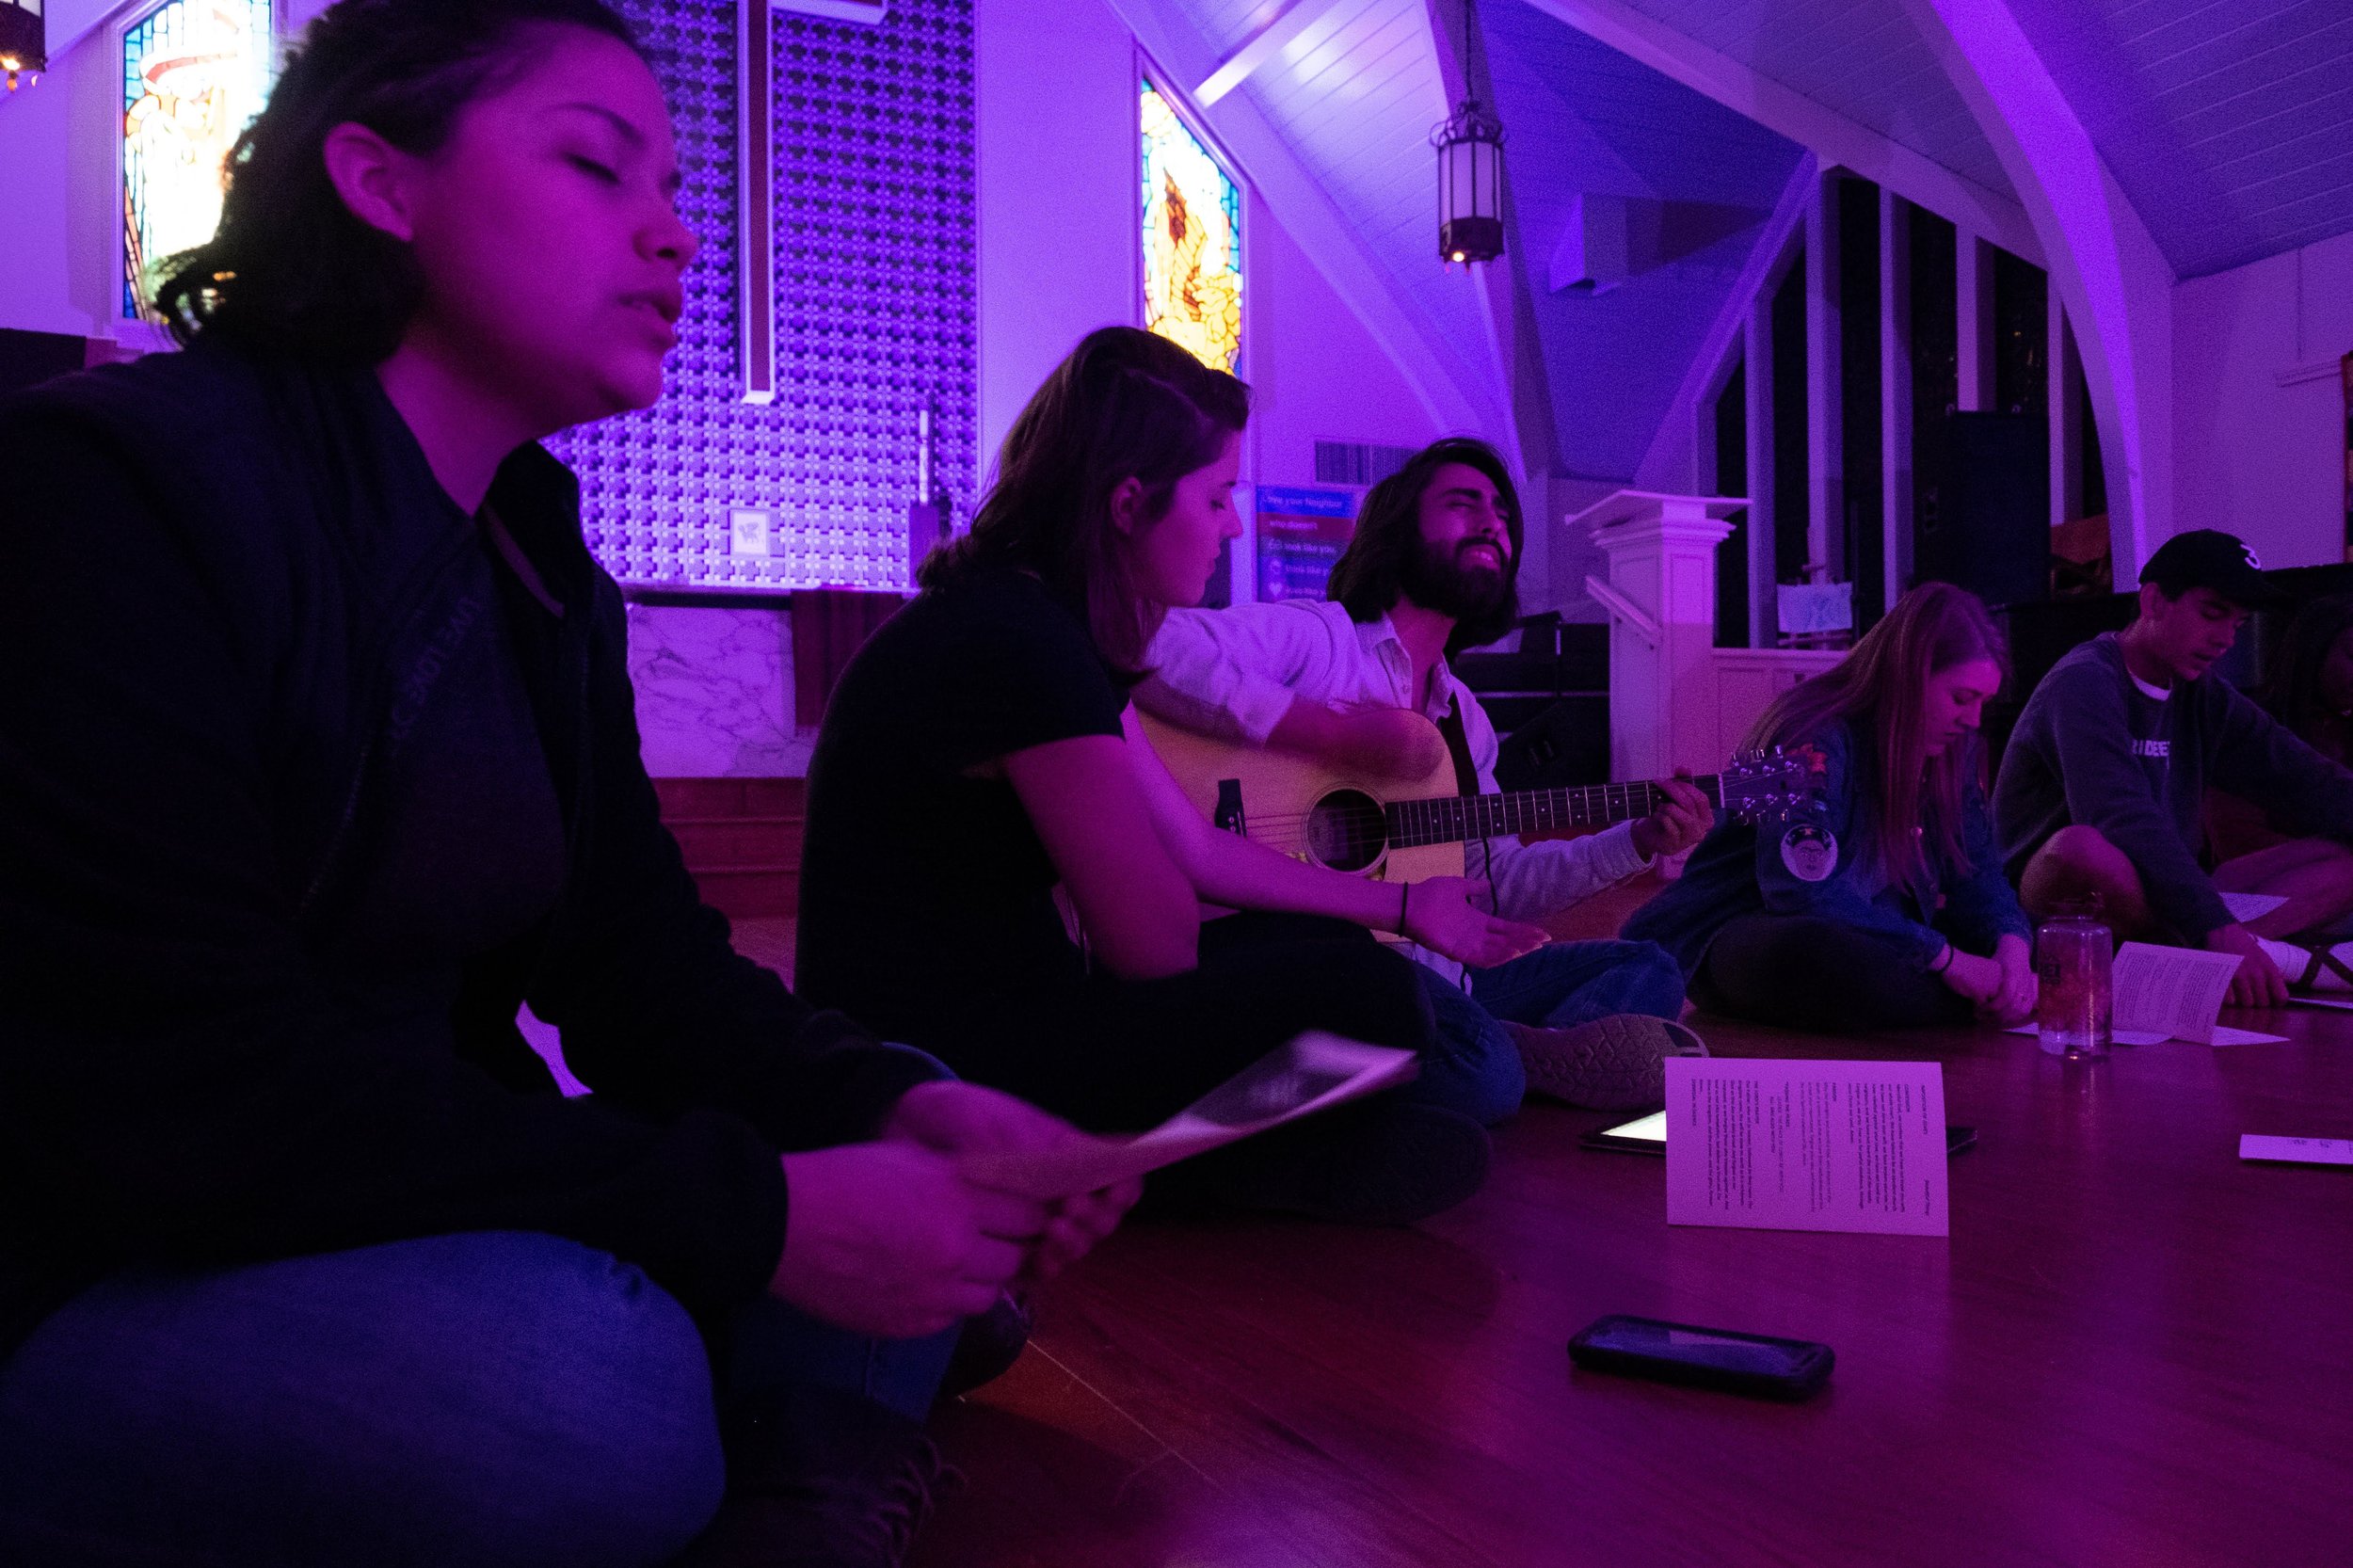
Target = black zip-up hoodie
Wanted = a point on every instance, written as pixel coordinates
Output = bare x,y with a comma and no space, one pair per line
208,640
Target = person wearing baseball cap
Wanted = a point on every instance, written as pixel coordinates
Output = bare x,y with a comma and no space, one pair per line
2102,787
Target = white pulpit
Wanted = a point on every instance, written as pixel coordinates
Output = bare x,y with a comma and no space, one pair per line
1661,599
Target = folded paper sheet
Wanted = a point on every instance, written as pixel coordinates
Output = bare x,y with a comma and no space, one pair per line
2251,906
1313,1073
2170,992
2295,1151
1806,1146
2166,993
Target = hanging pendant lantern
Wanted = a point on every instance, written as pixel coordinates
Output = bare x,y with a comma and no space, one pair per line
1470,172
22,41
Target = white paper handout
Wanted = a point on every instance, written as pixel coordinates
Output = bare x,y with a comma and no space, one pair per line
2172,994
1806,1146
1314,1072
2251,906
2295,1151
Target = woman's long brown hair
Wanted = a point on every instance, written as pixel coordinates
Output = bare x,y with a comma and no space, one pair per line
1126,405
1882,683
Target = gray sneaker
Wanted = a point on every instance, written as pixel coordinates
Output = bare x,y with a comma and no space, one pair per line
1613,1063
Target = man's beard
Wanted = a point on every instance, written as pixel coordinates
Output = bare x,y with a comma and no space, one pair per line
1435,577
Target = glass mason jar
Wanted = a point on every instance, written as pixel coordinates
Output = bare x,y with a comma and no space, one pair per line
2071,954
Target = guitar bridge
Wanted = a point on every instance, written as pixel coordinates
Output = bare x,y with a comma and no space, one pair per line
1229,815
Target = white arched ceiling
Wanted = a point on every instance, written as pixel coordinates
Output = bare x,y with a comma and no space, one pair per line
1347,92
2229,126
1333,129
1588,122
2116,285
2125,143
2121,143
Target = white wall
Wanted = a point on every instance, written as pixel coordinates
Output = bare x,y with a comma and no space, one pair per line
58,222
1054,81
1060,251
1316,372
2254,457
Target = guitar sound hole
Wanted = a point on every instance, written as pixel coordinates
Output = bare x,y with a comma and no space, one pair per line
1346,831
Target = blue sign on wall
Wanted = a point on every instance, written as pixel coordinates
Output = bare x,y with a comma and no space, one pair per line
1301,531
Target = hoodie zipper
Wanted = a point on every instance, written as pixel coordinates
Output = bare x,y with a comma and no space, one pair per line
381,700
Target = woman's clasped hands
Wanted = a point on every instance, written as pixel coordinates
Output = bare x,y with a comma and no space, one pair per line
2003,986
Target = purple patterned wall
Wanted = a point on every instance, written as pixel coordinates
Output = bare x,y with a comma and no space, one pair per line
874,309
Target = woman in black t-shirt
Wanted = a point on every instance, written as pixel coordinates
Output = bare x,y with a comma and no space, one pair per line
980,750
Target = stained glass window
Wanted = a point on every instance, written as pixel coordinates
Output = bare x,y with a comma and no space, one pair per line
1192,239
194,72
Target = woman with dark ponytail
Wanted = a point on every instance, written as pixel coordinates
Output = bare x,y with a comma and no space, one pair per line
316,763
1882,902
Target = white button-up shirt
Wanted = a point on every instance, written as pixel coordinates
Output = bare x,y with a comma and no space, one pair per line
1233,673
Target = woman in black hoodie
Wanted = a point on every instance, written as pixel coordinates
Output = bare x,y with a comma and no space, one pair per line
316,761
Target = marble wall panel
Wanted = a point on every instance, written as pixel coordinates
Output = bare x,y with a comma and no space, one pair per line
714,692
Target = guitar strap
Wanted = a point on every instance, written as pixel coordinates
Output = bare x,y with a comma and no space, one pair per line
1466,783
1458,747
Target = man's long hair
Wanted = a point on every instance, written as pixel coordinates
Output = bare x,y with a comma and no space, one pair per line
1369,575
1126,405
1881,685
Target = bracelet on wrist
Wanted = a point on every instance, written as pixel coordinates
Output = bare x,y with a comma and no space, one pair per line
1943,961
1405,905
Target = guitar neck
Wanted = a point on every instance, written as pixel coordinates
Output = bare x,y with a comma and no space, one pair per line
1453,819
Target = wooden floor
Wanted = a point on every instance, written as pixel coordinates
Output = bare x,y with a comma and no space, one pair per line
2133,1349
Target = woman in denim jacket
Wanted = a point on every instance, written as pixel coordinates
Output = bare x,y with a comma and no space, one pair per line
1880,902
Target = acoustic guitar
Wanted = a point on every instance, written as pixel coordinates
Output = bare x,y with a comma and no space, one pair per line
1406,829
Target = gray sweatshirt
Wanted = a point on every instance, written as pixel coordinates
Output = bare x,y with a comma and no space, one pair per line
2092,747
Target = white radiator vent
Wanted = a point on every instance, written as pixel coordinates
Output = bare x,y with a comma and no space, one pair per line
1358,463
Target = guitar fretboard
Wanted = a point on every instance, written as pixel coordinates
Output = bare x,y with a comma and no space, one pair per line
1453,819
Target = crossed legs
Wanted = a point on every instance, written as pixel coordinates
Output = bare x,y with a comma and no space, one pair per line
2314,875
2076,864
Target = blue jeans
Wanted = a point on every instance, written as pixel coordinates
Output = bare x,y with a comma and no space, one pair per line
492,1398
1476,1067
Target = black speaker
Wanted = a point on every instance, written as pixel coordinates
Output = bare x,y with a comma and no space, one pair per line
1568,744
28,359
1983,518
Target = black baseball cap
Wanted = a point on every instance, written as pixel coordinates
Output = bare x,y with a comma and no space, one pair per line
2209,558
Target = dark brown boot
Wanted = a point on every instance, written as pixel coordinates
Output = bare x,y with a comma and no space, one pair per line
819,1478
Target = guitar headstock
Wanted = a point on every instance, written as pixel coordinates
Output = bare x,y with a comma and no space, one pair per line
1770,786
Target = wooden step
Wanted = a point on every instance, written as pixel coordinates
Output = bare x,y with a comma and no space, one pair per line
731,797
722,843
751,894
742,840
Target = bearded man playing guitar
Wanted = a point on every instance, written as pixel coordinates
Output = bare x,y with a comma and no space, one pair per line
1357,682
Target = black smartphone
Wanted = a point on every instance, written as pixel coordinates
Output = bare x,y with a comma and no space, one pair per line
1648,1135
1702,1357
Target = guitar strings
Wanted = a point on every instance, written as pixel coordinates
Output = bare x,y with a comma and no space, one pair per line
1441,802
1438,806
1352,835
1362,834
